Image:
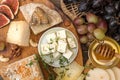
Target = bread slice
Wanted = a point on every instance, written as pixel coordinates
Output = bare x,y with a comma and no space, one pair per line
97,74
111,74
116,71
18,33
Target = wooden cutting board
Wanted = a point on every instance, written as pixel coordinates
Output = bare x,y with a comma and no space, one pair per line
27,51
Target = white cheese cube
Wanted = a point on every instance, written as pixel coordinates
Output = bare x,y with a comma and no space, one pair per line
51,38
45,49
53,47
62,46
56,55
71,42
68,54
61,34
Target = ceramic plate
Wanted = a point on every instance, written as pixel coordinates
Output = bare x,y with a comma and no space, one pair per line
48,58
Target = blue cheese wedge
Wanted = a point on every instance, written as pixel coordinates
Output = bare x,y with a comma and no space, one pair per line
71,42
62,46
68,54
53,47
45,49
61,34
51,38
56,55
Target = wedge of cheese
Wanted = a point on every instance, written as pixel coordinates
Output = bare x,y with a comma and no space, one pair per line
70,72
18,33
28,10
25,69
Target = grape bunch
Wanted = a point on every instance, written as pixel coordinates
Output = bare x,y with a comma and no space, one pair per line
90,27
106,9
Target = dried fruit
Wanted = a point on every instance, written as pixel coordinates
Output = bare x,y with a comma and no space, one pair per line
7,11
3,20
13,4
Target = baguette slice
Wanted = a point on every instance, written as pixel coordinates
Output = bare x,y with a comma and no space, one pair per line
116,71
111,74
97,74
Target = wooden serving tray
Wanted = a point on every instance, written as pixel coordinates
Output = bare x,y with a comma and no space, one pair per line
27,51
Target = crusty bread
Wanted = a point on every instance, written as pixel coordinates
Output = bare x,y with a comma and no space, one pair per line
18,33
25,69
28,9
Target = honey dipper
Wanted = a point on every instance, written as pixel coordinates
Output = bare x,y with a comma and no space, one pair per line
106,51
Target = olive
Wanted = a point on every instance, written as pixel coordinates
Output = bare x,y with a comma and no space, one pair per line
110,9
108,17
83,6
96,3
117,5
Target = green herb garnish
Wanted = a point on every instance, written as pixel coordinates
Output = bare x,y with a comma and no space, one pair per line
63,60
30,63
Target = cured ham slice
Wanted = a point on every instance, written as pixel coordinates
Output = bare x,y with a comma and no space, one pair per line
7,11
13,4
3,20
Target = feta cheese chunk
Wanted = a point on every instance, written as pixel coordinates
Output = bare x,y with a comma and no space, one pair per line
51,38
56,55
68,54
62,46
53,47
61,34
71,42
45,49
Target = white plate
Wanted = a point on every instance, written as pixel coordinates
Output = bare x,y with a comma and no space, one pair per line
47,59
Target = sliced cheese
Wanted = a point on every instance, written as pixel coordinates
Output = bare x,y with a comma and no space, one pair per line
68,54
51,38
71,42
18,33
45,49
61,34
62,46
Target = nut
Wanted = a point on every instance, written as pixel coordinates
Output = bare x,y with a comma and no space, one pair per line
3,59
33,44
15,51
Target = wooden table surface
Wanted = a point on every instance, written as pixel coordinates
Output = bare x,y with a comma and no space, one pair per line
27,51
